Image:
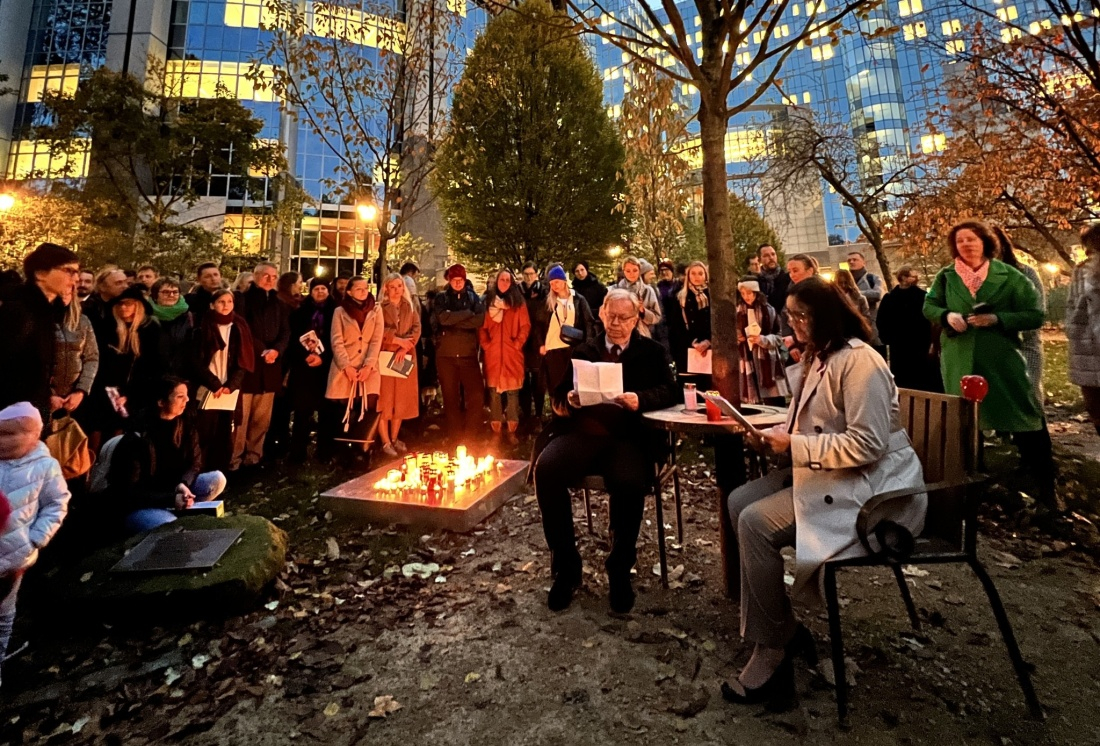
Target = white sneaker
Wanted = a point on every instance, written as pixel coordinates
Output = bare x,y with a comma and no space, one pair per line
399,446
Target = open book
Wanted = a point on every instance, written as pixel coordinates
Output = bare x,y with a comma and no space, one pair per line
597,383
729,410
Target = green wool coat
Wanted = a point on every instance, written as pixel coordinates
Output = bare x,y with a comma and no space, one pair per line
990,352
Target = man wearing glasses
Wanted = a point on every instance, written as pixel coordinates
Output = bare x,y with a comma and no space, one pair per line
28,320
609,440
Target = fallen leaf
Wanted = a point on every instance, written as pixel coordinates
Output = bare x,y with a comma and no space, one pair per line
199,661
472,677
186,639
383,706
332,709
85,577
419,570
468,553
79,724
441,578
332,549
913,572
271,605
171,676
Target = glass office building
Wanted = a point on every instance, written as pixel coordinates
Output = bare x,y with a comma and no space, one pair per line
204,45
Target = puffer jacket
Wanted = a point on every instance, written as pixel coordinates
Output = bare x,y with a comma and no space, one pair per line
1083,323
39,500
76,361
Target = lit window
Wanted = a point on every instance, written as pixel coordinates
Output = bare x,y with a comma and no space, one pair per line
247,13
909,7
1007,14
1008,34
955,46
933,143
806,97
203,78
457,6
951,27
822,52
31,159
52,79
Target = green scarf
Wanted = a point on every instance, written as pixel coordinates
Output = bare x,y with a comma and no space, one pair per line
171,313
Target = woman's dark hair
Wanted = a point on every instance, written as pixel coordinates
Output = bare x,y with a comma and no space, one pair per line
287,280
514,298
219,293
833,319
164,386
353,280
408,268
981,230
164,282
847,284
1090,239
1006,249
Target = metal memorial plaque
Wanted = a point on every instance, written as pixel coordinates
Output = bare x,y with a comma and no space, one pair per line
179,550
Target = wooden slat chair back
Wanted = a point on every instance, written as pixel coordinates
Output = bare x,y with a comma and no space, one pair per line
945,433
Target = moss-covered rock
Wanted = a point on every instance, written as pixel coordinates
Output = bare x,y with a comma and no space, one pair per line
236,583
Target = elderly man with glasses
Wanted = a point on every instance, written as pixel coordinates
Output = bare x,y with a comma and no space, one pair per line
609,440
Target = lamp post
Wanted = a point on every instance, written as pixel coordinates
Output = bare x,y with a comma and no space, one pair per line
367,213
7,202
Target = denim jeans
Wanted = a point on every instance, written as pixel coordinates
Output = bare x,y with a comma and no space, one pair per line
497,413
7,611
208,486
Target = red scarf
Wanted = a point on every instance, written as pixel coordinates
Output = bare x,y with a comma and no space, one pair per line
355,309
972,278
212,338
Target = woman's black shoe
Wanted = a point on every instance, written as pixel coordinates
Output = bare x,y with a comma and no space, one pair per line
802,644
777,694
561,592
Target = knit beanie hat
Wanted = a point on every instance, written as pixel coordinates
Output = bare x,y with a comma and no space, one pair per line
557,272
314,282
646,267
455,270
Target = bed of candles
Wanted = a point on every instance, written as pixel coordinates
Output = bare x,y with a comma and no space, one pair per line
436,479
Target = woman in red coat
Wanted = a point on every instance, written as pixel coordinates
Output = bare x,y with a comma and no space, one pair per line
502,337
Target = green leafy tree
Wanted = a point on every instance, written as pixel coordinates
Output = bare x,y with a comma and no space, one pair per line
531,169
748,232
653,125
151,156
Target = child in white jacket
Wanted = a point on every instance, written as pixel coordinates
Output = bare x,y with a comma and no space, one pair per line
37,496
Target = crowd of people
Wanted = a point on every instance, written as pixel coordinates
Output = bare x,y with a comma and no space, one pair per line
180,385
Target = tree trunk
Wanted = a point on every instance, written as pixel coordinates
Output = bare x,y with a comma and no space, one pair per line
720,259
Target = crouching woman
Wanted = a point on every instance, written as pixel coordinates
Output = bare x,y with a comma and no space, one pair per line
158,465
845,444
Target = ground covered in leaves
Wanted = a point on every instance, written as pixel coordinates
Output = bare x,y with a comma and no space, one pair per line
385,636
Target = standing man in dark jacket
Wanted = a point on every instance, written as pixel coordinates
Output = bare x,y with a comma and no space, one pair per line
109,284
29,316
609,440
269,321
909,335
533,394
209,281
774,281
588,285
457,315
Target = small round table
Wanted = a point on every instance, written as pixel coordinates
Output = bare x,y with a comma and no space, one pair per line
729,461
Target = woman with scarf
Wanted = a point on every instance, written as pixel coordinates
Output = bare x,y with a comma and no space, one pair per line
983,304
398,398
507,325
177,326
565,309
129,361
308,358
759,340
357,329
225,355
688,315
633,281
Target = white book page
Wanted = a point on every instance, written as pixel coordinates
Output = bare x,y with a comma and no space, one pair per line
597,383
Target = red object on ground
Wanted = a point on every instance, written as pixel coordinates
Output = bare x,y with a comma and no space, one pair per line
974,388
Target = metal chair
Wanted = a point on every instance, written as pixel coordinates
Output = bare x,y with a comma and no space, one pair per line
946,434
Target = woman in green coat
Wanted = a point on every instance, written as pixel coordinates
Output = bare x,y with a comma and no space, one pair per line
983,304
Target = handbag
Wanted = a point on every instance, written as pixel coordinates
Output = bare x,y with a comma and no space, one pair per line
69,445
571,335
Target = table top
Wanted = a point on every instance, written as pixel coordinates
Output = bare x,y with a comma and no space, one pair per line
696,423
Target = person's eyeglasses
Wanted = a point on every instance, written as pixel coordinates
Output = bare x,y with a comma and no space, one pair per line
799,317
169,292
614,318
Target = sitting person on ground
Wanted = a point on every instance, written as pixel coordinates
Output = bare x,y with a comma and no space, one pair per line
33,499
845,444
157,466
609,440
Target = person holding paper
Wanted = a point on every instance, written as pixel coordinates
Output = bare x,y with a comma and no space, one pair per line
610,440
225,356
309,356
398,398
565,309
357,328
503,337
845,444
158,464
759,340
688,315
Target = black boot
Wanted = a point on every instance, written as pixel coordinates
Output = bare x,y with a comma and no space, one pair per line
567,579
621,594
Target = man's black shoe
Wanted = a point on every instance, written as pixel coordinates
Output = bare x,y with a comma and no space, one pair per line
621,595
561,592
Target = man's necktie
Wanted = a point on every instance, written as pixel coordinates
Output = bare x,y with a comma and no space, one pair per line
614,353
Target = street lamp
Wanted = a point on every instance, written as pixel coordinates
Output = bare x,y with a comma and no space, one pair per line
614,251
1052,268
7,201
366,211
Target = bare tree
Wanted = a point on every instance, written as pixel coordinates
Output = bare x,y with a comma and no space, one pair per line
741,52
370,85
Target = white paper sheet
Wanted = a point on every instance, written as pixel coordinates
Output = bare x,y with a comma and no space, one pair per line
399,369
698,362
227,402
597,383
